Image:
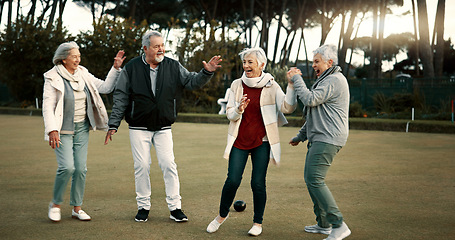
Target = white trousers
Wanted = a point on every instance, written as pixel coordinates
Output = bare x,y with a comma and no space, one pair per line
141,144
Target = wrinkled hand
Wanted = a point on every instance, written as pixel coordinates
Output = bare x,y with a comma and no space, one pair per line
54,139
243,103
213,64
109,136
293,71
293,143
118,60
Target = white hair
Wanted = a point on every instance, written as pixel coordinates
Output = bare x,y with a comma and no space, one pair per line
258,52
63,51
328,51
147,35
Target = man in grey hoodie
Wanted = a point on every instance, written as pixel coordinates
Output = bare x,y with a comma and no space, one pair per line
326,109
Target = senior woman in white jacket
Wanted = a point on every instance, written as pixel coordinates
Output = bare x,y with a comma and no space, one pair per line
255,109
71,106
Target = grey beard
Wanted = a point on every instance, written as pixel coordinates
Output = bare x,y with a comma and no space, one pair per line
159,59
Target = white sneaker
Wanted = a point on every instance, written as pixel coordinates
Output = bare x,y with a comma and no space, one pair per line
54,213
214,225
317,229
81,215
339,233
255,230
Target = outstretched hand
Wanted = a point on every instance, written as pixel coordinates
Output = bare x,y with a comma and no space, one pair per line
213,64
118,60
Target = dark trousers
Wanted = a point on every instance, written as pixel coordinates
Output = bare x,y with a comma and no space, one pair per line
260,157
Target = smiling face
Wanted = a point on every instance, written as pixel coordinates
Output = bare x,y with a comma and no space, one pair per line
251,66
154,53
72,60
319,65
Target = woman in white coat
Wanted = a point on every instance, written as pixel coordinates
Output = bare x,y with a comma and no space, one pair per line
71,106
255,109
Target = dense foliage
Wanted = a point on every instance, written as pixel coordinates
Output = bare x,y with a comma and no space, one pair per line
26,53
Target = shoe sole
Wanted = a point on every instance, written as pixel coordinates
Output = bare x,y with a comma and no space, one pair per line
254,235
178,220
140,220
75,217
318,231
311,229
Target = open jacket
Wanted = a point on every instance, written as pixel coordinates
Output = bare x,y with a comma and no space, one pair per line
54,91
273,104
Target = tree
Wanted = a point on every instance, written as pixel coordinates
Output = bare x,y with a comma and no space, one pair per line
27,53
345,36
424,41
157,12
328,11
193,50
98,47
439,31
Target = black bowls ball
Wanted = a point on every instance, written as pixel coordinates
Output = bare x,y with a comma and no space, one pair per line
239,205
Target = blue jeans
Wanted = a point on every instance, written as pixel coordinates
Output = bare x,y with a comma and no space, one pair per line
260,157
72,163
318,160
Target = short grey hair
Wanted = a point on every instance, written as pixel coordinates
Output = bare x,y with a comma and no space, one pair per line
147,35
328,51
258,52
63,51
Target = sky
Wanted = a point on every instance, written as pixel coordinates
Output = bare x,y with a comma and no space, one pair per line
77,19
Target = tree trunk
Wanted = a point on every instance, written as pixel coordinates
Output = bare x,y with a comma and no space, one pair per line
323,23
287,51
10,14
117,6
277,37
31,12
2,3
60,13
346,39
381,37
18,7
250,22
416,64
424,42
352,42
374,44
52,15
265,27
439,26
132,6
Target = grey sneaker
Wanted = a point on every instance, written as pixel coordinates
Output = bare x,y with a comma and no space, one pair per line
339,233
316,229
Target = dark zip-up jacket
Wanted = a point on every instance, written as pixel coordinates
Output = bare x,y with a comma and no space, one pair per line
135,100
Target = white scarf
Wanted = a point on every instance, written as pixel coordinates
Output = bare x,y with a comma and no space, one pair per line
76,80
257,82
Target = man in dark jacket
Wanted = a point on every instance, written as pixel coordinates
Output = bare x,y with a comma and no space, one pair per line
147,93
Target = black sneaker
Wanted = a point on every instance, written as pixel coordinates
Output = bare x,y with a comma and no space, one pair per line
142,215
178,216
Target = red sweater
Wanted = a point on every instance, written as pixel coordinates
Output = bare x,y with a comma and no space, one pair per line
252,129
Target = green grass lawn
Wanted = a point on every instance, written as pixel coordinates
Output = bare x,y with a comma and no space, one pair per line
388,185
